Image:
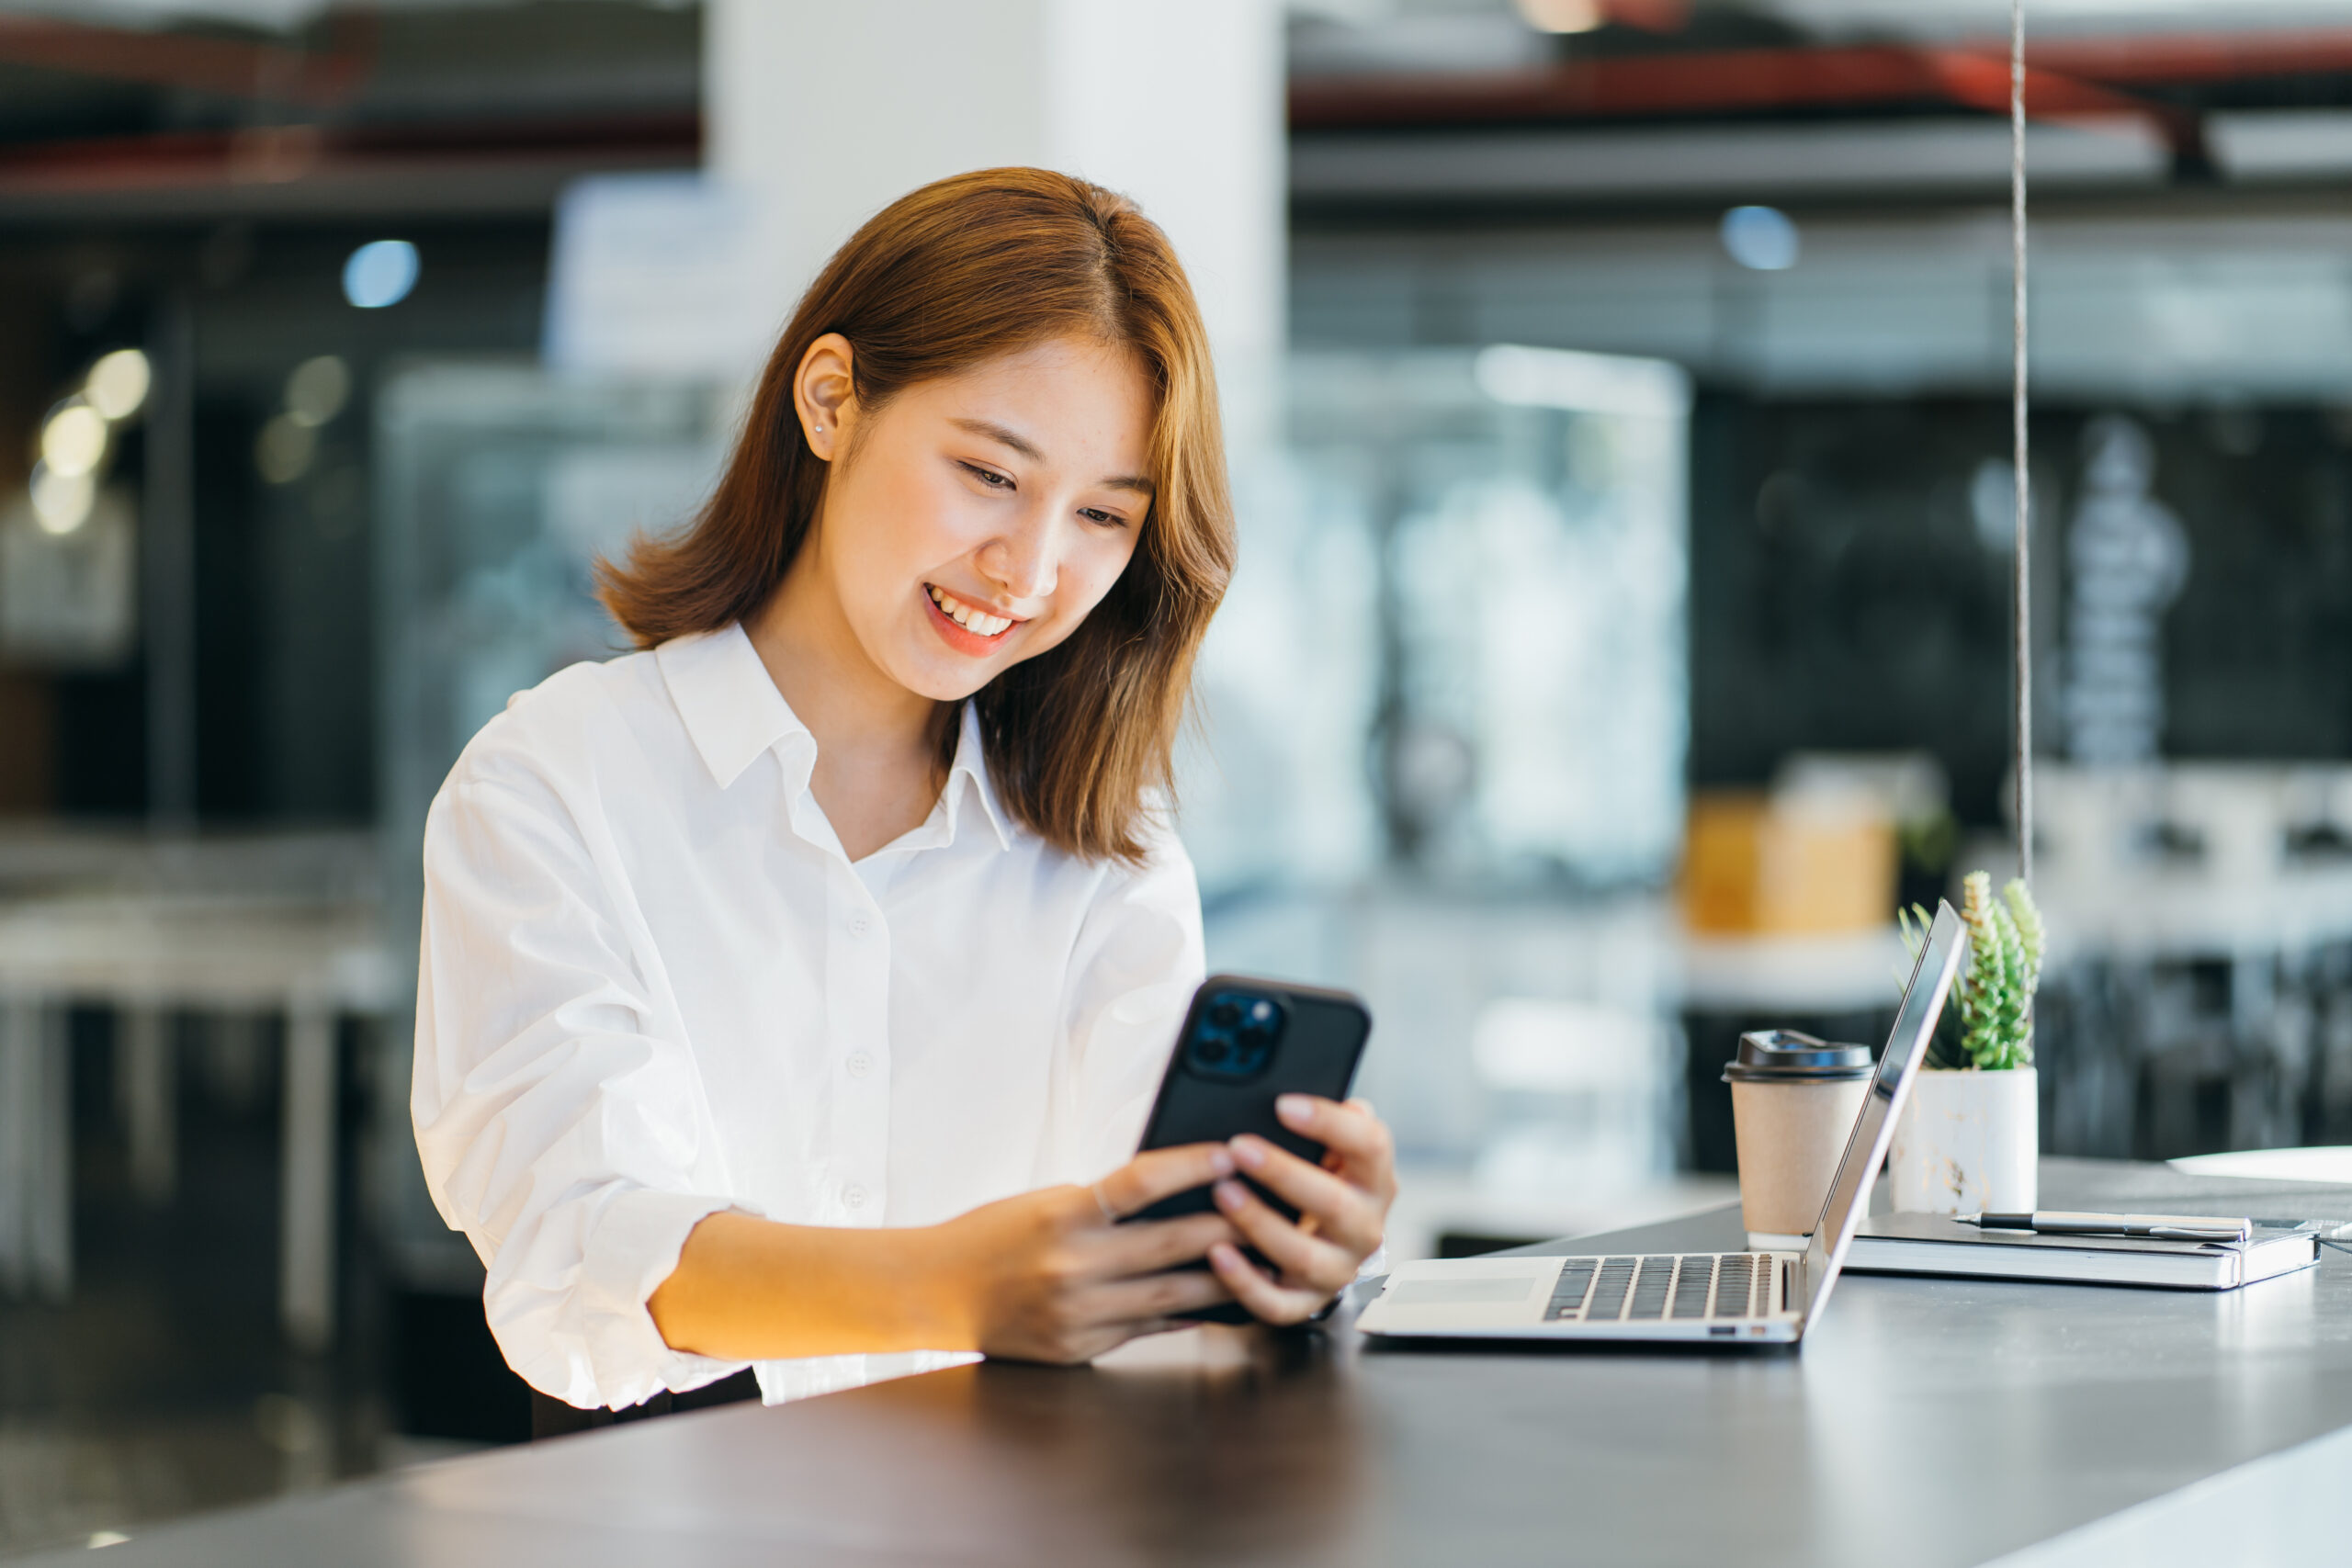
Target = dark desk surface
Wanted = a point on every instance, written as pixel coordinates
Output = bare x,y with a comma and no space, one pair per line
1924,1422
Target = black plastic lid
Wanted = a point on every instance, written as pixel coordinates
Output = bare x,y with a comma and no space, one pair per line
1768,1056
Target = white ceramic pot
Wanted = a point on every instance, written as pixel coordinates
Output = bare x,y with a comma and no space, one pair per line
1967,1143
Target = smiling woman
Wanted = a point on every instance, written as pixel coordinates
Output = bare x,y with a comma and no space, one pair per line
971,523
961,294
793,991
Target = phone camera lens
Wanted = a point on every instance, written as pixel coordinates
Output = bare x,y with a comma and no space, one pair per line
1233,1036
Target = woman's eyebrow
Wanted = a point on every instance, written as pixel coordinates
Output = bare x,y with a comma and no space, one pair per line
990,430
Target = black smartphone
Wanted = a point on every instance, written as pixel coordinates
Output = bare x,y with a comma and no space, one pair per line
1243,1043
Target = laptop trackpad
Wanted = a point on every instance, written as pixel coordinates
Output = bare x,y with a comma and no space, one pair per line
1455,1293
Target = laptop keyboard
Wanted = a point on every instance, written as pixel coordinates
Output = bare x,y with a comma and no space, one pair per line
1711,1285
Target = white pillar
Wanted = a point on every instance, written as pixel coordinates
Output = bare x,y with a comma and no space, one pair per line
828,112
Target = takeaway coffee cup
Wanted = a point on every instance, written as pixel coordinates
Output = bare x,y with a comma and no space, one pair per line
1794,1101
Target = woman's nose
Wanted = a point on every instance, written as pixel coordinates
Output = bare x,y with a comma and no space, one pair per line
1023,562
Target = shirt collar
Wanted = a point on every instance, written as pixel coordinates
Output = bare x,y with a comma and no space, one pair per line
731,708
971,774
733,713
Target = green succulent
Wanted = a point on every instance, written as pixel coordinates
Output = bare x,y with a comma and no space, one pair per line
1994,996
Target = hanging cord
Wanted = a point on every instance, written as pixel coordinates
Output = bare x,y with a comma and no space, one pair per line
2023,611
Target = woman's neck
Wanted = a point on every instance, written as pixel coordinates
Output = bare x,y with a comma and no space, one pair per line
877,772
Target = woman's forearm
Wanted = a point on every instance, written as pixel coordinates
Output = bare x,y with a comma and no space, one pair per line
1046,1276
750,1290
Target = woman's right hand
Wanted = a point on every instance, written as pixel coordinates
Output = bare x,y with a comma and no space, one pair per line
1050,1276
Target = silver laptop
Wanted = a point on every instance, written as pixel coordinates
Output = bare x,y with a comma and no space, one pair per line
1735,1297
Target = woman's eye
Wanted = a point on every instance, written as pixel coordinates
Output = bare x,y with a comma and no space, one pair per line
988,476
1096,514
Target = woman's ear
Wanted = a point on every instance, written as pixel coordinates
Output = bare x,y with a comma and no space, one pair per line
824,394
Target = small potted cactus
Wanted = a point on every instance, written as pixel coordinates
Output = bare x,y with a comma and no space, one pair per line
1969,1140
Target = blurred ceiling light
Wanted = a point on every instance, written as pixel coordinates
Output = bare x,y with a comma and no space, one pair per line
1762,239
317,391
284,450
380,272
1561,15
118,383
74,439
1581,383
62,503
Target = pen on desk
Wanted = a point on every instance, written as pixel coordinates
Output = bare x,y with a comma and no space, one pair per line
2153,1227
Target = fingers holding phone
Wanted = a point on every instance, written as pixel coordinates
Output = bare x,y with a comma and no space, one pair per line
1053,1276
1342,1205
1261,1067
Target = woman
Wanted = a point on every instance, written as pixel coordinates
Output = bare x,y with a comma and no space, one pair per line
793,991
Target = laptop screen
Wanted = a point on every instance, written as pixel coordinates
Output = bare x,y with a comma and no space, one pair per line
1907,1046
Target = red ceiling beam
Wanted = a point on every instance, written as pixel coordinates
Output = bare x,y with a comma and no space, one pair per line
2184,58
228,67
1982,81
1732,81
2076,78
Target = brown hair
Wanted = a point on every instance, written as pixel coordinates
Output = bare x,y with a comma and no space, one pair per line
946,277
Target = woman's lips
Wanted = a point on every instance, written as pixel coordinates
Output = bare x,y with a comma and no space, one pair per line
962,639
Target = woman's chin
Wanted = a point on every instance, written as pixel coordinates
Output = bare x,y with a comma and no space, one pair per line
946,678
945,673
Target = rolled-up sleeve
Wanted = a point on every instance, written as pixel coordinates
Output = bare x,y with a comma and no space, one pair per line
562,1120
1138,958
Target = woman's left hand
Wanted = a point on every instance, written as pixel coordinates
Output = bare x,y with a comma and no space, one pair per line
1342,1208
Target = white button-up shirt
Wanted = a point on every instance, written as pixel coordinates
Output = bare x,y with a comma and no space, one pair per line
653,986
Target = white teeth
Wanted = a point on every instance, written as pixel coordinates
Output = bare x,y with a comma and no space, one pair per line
970,619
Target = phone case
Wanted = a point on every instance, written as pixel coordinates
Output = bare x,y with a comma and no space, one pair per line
1316,1053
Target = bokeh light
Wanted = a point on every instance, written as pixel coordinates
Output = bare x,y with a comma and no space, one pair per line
1562,16
117,384
61,501
380,272
74,439
1762,239
317,389
284,450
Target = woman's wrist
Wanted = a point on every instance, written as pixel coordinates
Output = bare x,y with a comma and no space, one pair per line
942,1290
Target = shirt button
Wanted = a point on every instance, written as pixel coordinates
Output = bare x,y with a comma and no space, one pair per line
855,1197
859,925
860,1064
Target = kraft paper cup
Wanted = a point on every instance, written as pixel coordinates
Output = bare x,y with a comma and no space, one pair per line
1793,1103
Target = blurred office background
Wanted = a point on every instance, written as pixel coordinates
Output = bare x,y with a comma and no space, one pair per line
1621,435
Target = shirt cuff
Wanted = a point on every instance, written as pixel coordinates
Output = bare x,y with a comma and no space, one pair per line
632,1247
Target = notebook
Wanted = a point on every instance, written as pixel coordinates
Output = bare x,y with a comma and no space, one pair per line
1930,1244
